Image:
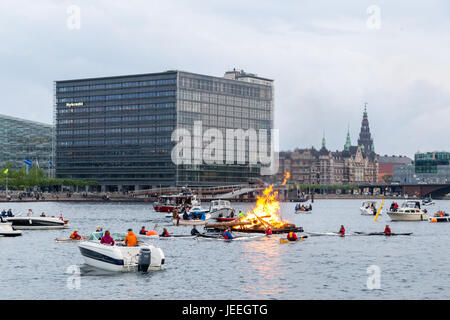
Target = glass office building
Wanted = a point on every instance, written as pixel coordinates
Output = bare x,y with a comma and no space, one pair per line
118,130
23,139
429,167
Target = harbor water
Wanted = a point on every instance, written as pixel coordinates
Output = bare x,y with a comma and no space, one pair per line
34,266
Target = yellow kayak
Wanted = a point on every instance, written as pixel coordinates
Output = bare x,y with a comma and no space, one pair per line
301,238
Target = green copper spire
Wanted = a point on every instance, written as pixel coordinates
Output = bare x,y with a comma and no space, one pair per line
324,141
372,148
348,142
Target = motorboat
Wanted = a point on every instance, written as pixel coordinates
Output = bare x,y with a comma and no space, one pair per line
220,209
168,203
428,202
120,257
6,229
440,216
409,211
369,208
31,222
303,208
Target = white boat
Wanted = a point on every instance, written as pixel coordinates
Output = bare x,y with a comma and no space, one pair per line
428,202
409,211
120,257
220,208
30,223
6,230
190,222
369,208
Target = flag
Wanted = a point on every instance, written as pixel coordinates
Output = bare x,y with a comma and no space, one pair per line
50,163
6,171
27,161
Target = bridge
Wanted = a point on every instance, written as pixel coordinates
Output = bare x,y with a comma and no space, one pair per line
419,190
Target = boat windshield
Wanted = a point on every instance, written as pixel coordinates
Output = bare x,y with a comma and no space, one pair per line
96,236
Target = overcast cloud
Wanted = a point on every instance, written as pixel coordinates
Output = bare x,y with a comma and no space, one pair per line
325,61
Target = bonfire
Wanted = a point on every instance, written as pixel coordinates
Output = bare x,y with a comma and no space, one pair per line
263,216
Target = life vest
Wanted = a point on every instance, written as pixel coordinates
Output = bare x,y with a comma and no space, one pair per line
269,232
292,236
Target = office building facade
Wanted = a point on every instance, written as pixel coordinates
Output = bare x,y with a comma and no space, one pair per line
118,130
427,168
22,139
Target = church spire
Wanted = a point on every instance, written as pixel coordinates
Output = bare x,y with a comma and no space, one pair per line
324,141
365,141
348,142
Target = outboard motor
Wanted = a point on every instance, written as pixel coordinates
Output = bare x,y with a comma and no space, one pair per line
145,259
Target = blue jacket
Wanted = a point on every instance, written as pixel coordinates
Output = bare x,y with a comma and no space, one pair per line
228,235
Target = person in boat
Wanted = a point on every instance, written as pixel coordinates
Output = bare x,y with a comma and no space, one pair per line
186,216
143,231
194,231
231,214
292,236
227,235
342,230
130,239
165,233
29,213
387,230
107,239
43,214
61,216
395,206
241,214
75,235
9,213
4,213
99,229
268,231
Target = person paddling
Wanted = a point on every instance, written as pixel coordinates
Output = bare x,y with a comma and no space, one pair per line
165,233
227,235
75,235
194,231
268,231
342,230
107,239
387,230
143,231
292,236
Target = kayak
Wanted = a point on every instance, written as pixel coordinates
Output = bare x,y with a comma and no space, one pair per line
169,237
383,234
326,234
301,238
70,240
237,238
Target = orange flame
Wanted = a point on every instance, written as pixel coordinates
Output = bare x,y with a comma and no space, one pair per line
265,214
287,175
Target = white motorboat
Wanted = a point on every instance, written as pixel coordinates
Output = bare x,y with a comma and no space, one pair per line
6,229
409,211
369,208
30,222
220,208
428,202
120,257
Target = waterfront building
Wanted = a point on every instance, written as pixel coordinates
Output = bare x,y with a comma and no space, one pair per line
118,130
387,163
354,164
429,167
22,139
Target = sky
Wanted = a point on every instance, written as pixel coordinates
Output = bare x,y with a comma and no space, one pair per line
327,59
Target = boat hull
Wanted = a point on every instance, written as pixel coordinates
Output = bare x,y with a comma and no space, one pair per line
395,216
31,223
188,222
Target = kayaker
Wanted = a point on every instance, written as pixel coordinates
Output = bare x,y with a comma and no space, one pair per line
194,231
387,230
165,233
227,235
268,231
292,236
75,235
143,231
107,239
342,230
130,239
